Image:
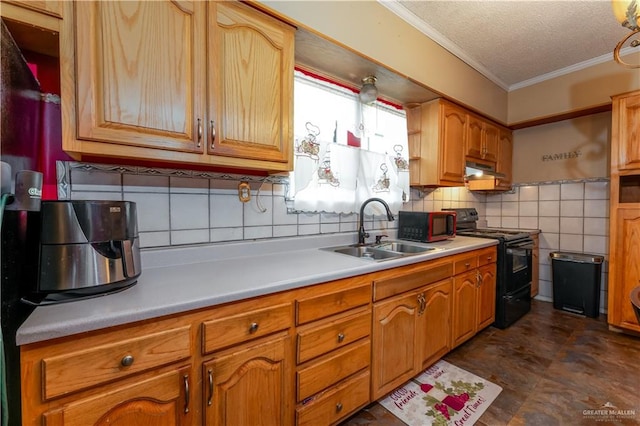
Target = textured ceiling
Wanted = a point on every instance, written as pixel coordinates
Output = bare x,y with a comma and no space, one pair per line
513,42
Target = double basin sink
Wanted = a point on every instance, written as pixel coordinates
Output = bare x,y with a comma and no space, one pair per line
385,250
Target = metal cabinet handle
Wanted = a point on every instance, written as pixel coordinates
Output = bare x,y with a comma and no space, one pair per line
210,373
186,393
338,407
466,265
127,361
199,133
253,327
422,302
213,134
340,337
489,258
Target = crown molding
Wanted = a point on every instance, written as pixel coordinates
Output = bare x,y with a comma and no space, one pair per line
395,7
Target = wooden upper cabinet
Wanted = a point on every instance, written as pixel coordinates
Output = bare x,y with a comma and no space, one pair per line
452,143
482,139
251,60
49,7
140,73
626,134
505,158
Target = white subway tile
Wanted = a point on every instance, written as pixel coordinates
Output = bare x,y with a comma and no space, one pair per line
154,239
95,181
329,228
285,230
494,209
528,208
549,192
549,240
310,229
529,193
571,242
544,256
596,190
545,273
549,224
153,210
549,208
596,244
222,186
225,234
309,218
191,236
257,232
329,218
280,214
528,222
596,226
509,208
494,221
348,226
596,208
572,191
225,211
253,216
572,208
509,222
571,225
510,197
545,289
189,211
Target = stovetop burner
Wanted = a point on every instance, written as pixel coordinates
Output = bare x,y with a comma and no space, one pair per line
503,234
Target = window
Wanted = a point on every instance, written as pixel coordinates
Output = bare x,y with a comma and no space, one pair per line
346,152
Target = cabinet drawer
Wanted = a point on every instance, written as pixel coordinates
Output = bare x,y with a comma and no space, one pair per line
328,304
339,333
336,404
413,277
227,331
487,256
332,369
81,369
465,263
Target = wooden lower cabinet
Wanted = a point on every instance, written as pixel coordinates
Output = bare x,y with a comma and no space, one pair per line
395,327
249,385
160,400
434,336
474,294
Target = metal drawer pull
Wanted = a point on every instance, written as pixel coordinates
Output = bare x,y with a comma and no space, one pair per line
253,327
489,258
210,372
467,265
186,393
338,407
340,337
126,360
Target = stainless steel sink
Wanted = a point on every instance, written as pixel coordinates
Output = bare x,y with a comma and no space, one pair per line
367,252
382,251
403,247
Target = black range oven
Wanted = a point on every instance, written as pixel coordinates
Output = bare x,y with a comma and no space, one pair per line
514,266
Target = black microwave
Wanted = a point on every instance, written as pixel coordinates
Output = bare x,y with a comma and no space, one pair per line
426,226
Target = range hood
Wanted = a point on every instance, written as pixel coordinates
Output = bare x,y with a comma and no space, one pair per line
481,176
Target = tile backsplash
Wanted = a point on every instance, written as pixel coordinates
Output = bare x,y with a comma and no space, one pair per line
179,208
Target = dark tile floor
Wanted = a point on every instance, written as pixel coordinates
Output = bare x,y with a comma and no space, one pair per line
551,365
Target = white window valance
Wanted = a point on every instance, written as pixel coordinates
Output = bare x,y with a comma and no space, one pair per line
345,151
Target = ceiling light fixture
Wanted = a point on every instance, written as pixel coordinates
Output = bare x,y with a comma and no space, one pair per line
627,12
369,91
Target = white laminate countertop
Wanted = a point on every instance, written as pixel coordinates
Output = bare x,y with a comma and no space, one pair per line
181,279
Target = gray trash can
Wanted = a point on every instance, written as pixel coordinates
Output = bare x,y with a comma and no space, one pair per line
576,282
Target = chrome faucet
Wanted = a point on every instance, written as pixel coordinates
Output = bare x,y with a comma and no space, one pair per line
362,234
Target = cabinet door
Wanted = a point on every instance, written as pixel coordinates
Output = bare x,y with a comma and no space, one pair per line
434,335
505,155
140,73
51,7
474,137
452,143
394,350
249,386
464,307
163,400
251,61
486,295
625,269
626,111
490,137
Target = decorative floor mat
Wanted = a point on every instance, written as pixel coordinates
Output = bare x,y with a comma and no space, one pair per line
442,395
